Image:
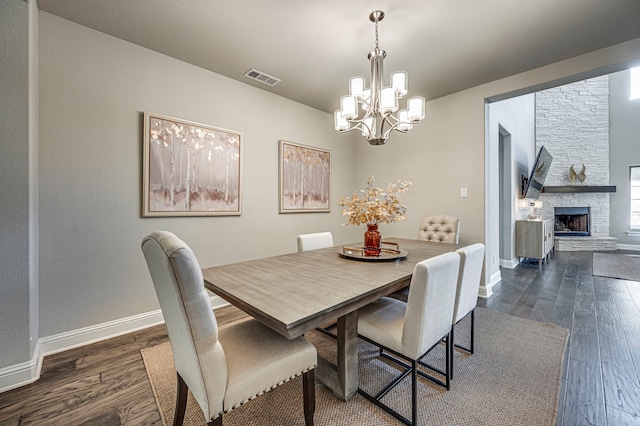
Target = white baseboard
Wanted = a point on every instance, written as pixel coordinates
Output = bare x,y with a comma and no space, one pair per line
633,247
28,372
485,290
21,374
509,263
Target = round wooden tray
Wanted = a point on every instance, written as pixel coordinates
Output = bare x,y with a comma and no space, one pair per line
386,255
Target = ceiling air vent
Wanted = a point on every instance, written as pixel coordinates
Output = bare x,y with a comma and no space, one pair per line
262,77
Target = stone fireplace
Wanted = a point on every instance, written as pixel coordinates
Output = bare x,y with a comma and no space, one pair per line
572,123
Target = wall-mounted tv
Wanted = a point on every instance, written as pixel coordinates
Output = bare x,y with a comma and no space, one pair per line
533,187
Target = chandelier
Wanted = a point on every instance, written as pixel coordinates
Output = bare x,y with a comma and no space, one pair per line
371,110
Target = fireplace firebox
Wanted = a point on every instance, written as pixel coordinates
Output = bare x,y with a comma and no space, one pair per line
572,221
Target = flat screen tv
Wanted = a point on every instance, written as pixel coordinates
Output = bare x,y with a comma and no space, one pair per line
533,187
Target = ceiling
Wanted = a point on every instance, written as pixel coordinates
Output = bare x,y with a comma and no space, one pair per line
314,47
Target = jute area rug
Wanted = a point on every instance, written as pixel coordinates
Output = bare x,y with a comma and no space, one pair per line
513,378
625,267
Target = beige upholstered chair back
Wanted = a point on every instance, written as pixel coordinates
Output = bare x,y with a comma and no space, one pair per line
471,261
314,241
441,228
432,294
193,330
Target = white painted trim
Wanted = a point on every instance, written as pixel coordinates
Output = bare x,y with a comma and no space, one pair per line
509,263
633,247
633,233
485,290
24,373
21,374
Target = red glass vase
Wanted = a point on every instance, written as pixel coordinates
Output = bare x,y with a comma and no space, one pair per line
372,241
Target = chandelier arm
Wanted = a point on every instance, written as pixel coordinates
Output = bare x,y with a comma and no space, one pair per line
358,126
394,126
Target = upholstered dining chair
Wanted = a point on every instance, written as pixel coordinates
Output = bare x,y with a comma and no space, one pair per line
441,228
223,368
411,330
469,275
314,241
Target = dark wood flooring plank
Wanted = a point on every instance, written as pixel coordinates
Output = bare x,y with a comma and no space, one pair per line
609,320
525,304
542,310
584,398
140,412
584,340
620,418
622,390
91,412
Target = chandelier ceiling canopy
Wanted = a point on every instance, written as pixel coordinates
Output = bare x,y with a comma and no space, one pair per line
374,110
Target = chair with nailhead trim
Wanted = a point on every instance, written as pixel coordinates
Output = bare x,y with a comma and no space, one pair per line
222,368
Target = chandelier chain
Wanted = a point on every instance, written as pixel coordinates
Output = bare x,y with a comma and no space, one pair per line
376,33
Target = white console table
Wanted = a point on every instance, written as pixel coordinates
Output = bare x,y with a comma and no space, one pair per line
534,239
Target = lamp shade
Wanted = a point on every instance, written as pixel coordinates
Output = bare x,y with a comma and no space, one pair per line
388,100
415,108
356,87
340,122
404,125
349,106
399,82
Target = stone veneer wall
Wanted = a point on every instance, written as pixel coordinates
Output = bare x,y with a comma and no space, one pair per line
572,122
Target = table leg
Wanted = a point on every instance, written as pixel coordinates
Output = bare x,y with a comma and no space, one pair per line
343,378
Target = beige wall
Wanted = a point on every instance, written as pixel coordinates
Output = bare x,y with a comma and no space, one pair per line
18,182
93,91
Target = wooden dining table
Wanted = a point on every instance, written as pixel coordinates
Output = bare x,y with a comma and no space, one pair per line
298,292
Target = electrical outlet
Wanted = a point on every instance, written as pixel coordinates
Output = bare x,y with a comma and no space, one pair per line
463,192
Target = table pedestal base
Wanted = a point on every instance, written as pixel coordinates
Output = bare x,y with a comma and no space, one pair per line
343,378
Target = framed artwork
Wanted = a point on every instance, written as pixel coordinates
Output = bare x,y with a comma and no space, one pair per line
190,169
305,178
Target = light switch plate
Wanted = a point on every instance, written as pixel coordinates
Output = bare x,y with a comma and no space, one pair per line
463,192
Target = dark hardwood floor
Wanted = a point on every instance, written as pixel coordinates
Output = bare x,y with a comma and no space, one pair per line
106,384
601,375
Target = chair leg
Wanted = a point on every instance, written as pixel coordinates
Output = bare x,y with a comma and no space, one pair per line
181,402
473,320
448,361
472,334
471,339
453,341
414,392
309,396
215,422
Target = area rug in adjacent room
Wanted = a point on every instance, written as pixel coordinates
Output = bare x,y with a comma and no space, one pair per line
512,378
623,266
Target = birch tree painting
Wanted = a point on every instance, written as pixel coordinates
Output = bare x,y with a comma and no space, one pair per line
305,177
190,169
